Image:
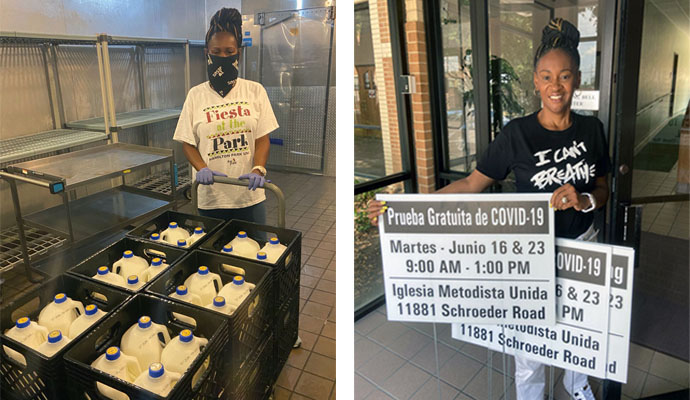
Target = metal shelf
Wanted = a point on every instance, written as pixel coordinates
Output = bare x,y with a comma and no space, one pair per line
128,119
160,183
39,242
45,142
38,38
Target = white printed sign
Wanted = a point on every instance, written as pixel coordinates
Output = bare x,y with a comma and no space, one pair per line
586,338
585,100
479,258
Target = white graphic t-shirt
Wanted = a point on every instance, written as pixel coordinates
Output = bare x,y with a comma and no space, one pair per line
224,129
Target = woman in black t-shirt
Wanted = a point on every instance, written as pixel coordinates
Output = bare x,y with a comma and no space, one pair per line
552,150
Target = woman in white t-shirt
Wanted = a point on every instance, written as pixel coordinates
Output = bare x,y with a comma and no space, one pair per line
224,127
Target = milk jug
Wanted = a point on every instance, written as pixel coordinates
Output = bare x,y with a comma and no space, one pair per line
133,283
91,315
157,266
60,313
179,354
205,284
181,243
54,343
227,249
174,233
219,304
130,264
142,341
117,364
28,333
273,250
181,293
157,380
244,246
103,274
198,234
236,291
156,237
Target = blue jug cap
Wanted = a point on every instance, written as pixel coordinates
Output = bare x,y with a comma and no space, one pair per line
261,255
274,240
181,242
144,322
227,249
103,270
90,309
181,290
60,298
113,353
54,336
23,322
186,335
241,234
198,229
156,262
128,254
132,279
238,280
203,270
172,225
156,370
219,301
155,236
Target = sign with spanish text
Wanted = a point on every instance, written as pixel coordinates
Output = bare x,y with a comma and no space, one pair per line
474,258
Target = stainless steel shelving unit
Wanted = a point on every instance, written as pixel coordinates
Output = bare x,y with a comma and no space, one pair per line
40,232
30,146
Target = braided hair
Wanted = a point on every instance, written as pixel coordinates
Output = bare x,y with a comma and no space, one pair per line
559,34
225,20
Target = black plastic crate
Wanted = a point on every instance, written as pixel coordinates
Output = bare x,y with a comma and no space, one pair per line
108,256
287,268
250,324
109,333
257,381
187,221
285,333
44,377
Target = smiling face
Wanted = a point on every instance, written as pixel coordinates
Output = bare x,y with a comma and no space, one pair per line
223,44
556,78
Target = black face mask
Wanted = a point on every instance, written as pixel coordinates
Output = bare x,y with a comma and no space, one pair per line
222,72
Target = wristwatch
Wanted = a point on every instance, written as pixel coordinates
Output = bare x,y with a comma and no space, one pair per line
260,168
592,203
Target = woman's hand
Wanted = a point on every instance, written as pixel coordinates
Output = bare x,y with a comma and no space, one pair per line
566,196
205,176
255,180
374,209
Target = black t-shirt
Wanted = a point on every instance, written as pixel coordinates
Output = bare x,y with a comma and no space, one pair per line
545,160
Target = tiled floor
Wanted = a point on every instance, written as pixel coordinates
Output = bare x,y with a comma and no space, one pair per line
669,219
396,360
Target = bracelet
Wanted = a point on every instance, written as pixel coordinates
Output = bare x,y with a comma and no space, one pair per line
592,203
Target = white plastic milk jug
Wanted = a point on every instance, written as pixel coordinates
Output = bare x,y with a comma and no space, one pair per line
219,304
29,334
54,343
142,341
60,313
117,364
174,233
198,234
156,237
157,266
244,246
179,354
205,284
103,274
91,315
157,380
130,264
236,291
133,283
181,293
273,250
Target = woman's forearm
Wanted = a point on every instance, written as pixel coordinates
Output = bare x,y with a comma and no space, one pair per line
193,156
261,147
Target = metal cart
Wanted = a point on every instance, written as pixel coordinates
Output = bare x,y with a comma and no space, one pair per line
38,233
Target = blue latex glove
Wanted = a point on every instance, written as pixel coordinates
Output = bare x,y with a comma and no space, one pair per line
255,180
205,176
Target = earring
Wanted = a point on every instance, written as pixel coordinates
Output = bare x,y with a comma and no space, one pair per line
536,92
